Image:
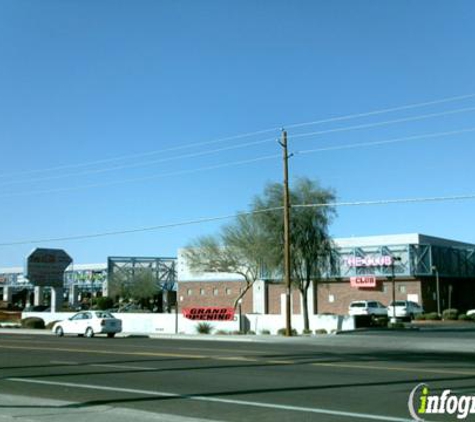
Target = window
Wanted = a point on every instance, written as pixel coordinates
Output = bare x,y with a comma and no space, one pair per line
228,291
189,292
202,292
331,298
216,292
402,289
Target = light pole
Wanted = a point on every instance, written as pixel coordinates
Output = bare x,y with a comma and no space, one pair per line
393,276
437,287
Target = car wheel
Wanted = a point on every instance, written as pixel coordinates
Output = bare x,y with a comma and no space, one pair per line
110,335
411,317
59,332
89,332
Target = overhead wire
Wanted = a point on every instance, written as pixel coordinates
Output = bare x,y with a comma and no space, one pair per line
141,179
386,142
143,164
232,147
384,123
469,196
244,135
237,163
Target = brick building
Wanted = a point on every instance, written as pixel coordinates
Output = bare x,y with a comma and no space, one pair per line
407,266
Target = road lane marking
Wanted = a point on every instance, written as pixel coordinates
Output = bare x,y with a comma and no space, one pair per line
396,368
63,362
144,368
352,415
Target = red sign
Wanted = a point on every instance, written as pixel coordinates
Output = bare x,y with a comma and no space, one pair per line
209,314
363,281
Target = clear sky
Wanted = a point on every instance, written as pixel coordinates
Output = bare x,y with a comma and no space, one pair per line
107,110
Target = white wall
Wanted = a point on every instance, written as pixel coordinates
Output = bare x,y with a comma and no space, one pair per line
167,323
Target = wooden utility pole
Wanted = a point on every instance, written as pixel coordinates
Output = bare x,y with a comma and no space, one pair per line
288,310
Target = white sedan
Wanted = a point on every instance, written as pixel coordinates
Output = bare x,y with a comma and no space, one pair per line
89,323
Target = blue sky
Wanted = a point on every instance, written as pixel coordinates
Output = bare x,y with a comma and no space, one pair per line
84,83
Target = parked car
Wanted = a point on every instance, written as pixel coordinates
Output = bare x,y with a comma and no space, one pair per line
404,309
367,307
89,323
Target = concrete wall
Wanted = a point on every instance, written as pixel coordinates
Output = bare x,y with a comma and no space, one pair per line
167,323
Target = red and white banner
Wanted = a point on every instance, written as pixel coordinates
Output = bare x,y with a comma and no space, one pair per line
363,281
209,313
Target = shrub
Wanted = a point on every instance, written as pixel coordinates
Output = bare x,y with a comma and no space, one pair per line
103,303
33,322
321,331
307,331
49,326
267,332
464,317
450,314
420,317
432,316
204,328
222,332
282,331
381,321
251,333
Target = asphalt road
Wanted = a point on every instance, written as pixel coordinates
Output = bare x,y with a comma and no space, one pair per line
333,378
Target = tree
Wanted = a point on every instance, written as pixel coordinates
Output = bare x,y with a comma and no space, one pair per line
138,285
241,248
311,244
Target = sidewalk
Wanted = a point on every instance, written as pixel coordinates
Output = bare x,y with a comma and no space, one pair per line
30,409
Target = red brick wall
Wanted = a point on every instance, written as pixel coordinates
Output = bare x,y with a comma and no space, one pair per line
203,294
343,294
275,291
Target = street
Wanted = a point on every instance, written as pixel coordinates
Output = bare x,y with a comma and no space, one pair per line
365,376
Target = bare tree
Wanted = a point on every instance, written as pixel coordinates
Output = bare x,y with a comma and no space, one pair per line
240,248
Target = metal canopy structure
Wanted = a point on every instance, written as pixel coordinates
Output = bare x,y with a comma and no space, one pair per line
130,269
416,260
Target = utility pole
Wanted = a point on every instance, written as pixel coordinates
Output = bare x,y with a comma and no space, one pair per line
288,311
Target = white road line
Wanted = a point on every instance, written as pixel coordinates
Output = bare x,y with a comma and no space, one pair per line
352,415
63,362
145,368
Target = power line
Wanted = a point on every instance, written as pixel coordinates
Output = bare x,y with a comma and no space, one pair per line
390,201
244,135
141,179
382,111
229,216
143,164
232,147
138,230
384,123
234,163
139,155
387,141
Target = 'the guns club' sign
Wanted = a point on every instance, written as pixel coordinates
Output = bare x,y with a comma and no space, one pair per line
363,281
370,261
209,314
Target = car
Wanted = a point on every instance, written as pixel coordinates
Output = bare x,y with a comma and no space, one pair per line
367,307
404,309
88,324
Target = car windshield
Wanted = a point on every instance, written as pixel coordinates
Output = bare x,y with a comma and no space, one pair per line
358,305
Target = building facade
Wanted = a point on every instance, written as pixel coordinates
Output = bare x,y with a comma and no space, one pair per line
383,268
